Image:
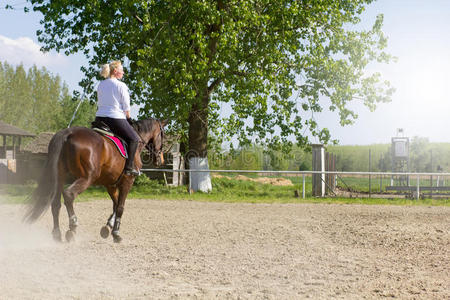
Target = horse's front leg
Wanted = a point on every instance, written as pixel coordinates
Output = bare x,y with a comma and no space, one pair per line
104,232
124,188
111,220
113,192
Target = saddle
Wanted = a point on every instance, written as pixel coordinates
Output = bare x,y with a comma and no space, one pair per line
104,130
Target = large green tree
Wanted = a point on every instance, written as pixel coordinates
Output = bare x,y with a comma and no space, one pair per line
269,63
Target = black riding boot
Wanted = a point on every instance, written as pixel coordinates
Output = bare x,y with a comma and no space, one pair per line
130,169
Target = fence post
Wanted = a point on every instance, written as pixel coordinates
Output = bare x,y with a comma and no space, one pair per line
381,183
418,189
318,164
370,177
303,187
190,184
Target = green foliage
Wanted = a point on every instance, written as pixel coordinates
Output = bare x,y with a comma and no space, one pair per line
260,158
422,155
271,61
247,158
37,101
427,157
83,117
143,180
356,158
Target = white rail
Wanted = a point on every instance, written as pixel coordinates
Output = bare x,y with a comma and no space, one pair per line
303,173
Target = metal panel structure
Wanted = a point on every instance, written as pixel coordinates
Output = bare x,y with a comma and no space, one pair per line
400,158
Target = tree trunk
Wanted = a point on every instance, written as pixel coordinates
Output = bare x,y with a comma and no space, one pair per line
198,131
197,155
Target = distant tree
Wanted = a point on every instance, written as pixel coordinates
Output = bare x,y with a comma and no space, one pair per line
46,95
420,154
385,161
83,117
38,101
16,97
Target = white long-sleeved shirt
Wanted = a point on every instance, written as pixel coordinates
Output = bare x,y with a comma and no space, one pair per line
113,99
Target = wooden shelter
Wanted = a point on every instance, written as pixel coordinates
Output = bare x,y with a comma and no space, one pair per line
39,145
34,155
8,153
17,134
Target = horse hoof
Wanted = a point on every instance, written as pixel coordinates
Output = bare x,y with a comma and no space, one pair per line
57,237
117,238
104,232
70,236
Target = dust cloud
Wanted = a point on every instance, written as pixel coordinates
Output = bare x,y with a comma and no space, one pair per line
16,235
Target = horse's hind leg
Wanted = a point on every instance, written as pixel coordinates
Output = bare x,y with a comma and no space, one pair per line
56,206
76,188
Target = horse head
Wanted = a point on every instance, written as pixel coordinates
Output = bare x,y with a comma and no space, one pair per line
151,132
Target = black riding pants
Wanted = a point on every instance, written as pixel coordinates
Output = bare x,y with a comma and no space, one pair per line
121,128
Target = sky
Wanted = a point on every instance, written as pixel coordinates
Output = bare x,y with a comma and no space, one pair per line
418,35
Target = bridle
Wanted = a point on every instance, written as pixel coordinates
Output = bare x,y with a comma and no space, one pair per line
147,146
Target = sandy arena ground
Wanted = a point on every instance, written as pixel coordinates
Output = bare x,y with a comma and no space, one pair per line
195,250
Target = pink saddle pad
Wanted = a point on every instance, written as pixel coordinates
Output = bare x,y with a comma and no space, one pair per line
119,145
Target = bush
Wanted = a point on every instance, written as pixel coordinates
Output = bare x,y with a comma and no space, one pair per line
142,180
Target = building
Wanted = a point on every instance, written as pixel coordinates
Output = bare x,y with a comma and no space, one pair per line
10,150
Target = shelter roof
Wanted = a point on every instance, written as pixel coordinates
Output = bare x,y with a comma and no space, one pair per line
6,129
40,143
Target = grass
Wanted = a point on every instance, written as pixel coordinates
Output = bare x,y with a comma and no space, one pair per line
224,190
361,184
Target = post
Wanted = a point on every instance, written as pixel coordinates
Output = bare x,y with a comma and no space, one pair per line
370,170
303,187
4,145
322,161
431,176
381,183
14,147
190,180
318,164
327,176
418,189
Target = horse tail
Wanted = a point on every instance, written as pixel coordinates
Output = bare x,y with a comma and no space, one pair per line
47,188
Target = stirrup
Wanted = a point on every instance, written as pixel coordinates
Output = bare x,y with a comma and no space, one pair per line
132,172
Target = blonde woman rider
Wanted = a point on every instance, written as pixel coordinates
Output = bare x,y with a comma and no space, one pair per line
114,110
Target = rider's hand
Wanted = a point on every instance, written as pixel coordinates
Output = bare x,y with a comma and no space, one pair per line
130,121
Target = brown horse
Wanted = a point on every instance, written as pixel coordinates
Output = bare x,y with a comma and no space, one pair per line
86,158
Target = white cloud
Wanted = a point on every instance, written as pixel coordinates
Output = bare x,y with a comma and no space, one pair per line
25,50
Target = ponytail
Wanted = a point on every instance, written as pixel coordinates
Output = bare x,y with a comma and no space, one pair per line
105,72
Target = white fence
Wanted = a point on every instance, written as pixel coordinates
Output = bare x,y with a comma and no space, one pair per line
304,173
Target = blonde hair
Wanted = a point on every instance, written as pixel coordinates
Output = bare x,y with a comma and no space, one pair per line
108,69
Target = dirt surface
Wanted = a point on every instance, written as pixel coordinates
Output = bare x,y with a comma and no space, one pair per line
195,250
264,180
